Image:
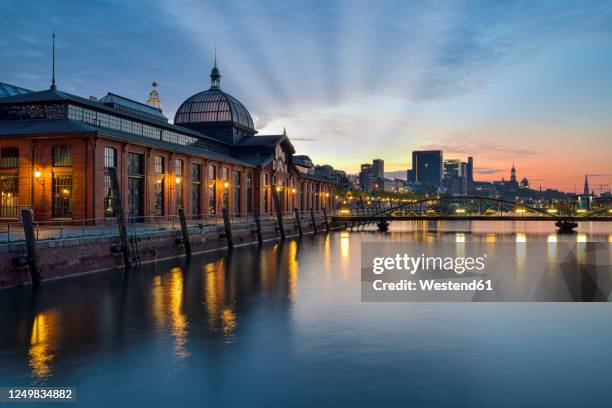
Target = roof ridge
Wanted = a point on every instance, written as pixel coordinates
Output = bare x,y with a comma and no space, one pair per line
127,99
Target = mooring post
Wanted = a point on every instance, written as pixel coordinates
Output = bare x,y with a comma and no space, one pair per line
279,212
27,217
325,218
228,228
314,224
120,215
298,221
185,232
362,209
258,226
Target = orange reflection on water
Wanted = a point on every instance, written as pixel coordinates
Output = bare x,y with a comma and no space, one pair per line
344,245
220,315
521,255
293,269
167,306
178,320
40,355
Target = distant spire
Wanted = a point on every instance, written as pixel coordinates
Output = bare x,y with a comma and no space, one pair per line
586,185
284,131
215,75
53,87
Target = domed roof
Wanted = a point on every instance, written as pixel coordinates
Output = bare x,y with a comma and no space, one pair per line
213,107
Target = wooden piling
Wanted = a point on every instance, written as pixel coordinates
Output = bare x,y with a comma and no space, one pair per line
27,217
228,228
298,221
120,215
258,226
325,219
314,224
279,212
184,231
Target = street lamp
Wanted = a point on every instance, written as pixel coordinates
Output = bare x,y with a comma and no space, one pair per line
178,180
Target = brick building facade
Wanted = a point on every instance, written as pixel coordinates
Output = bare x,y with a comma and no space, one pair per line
56,148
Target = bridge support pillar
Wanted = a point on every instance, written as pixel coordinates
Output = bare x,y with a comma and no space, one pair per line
383,225
566,226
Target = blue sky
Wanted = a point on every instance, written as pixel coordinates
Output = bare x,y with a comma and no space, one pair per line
525,82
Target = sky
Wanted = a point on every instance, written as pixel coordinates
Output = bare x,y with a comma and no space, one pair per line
526,82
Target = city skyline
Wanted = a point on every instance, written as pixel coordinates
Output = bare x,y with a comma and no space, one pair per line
529,89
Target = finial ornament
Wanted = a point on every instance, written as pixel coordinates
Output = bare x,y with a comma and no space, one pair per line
154,101
215,75
53,87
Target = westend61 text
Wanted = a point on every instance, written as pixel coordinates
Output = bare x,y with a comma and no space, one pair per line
433,285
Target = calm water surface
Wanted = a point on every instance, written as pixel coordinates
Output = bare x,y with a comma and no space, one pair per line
284,326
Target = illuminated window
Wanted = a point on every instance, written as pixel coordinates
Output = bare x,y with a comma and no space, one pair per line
212,189
62,195
237,191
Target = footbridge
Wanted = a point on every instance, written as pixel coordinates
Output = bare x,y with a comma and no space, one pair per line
470,208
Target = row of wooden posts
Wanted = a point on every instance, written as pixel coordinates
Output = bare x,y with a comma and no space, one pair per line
32,260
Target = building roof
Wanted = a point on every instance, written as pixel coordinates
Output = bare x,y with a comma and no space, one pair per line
265,141
7,90
68,126
214,106
47,126
54,95
118,101
211,107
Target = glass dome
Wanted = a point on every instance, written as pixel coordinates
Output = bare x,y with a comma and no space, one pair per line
213,107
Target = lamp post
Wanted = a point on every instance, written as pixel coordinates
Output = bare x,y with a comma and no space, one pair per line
37,177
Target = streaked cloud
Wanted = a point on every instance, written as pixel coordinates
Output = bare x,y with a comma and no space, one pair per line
522,81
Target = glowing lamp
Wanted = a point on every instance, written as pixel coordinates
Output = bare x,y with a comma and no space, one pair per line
37,174
226,184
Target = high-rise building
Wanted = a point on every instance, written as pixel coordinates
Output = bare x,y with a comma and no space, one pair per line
378,167
372,176
427,167
470,173
455,176
410,176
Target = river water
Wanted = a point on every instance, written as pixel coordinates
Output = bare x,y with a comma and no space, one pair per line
284,325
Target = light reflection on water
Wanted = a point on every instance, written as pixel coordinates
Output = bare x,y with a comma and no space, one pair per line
288,317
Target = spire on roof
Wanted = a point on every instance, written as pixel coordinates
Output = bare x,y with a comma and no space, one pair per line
154,100
215,75
53,87
284,131
586,185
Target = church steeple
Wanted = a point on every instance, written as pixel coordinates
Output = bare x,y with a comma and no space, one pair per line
215,75
586,185
513,174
